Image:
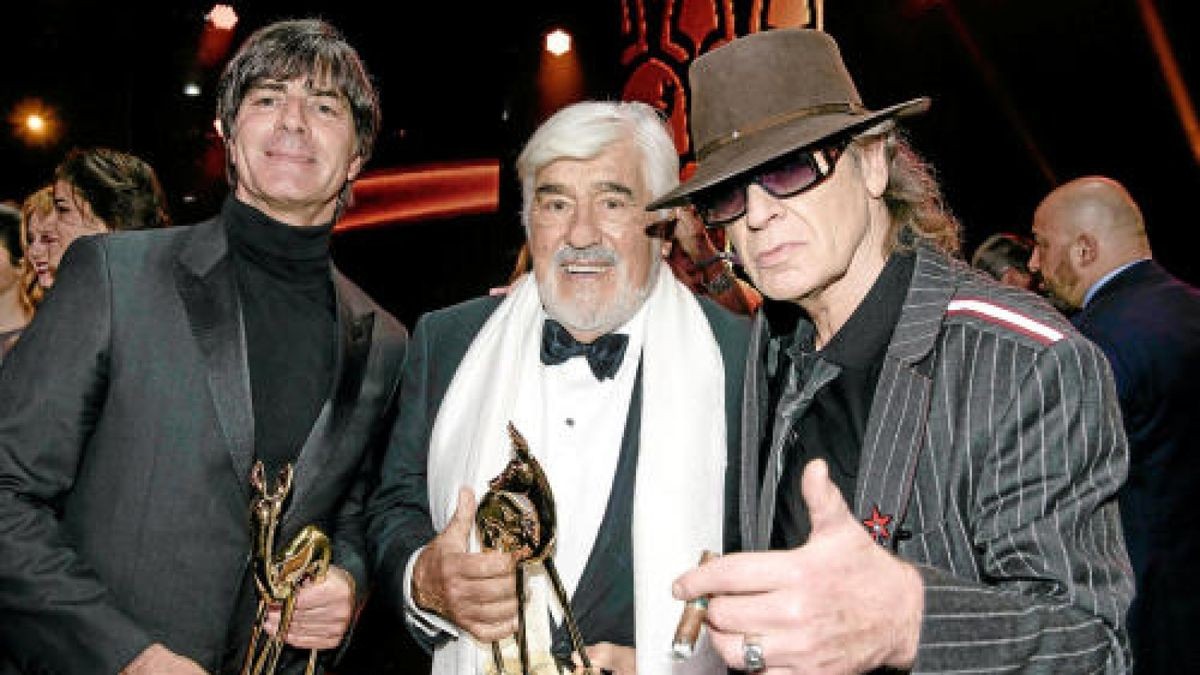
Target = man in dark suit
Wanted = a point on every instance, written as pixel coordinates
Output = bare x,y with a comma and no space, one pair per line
632,437
1093,254
930,457
164,363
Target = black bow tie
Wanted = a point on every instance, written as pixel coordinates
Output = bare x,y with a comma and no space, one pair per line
604,355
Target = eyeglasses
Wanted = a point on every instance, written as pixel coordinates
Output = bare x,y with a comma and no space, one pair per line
787,176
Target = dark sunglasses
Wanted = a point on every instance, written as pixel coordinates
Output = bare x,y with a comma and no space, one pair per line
787,176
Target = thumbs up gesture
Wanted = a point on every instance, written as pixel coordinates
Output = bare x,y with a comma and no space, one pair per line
474,591
837,604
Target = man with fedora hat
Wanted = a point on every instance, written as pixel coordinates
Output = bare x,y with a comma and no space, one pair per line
929,459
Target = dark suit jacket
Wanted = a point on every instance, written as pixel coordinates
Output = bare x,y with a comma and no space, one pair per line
1148,324
996,450
398,520
126,436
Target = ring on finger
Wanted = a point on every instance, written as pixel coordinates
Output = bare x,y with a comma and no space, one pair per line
752,654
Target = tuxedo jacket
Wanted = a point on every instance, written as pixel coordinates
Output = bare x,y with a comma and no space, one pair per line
1148,324
126,441
992,455
399,521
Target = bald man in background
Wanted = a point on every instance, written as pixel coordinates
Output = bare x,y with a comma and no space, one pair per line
1093,255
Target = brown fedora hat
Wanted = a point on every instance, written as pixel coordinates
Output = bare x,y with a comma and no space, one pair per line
767,94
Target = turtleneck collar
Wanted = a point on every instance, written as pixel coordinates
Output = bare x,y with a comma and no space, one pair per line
297,254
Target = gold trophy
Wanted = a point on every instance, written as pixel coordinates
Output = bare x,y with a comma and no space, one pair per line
278,575
516,515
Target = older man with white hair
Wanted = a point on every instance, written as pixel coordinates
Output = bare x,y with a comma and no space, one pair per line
634,437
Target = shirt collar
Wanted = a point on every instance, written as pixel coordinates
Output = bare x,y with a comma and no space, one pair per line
864,337
1091,293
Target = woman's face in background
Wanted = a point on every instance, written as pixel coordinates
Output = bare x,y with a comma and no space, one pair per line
74,218
44,248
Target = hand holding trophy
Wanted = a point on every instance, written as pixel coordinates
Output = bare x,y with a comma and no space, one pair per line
279,575
517,516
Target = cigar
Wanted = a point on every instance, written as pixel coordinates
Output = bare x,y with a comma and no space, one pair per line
688,630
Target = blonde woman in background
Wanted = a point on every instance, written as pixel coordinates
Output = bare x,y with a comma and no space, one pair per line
42,245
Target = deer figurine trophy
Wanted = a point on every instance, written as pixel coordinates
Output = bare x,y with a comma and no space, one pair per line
279,575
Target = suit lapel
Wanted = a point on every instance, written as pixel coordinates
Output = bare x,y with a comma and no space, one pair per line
754,428
354,344
205,279
900,409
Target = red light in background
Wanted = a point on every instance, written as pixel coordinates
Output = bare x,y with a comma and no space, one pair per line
420,193
217,35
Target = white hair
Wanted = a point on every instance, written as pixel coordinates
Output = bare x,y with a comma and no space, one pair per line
584,130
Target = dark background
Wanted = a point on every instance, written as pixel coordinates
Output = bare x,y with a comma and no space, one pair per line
1027,94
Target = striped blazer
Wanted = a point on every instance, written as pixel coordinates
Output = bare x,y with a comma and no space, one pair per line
992,454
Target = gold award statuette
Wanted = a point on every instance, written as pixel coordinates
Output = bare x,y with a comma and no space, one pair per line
516,515
278,575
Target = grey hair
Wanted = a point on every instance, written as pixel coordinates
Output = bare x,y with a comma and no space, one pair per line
584,130
913,197
1002,251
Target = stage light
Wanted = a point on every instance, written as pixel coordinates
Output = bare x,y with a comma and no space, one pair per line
222,17
191,89
558,42
34,122
560,74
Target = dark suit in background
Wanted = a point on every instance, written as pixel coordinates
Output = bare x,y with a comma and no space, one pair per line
1148,324
126,440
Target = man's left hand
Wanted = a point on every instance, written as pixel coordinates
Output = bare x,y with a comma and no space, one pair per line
840,603
323,612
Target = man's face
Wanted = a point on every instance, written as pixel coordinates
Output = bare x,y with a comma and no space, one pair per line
799,248
1051,259
592,258
293,147
1012,276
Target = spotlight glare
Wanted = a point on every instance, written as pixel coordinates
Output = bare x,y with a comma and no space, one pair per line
558,42
191,89
222,17
35,122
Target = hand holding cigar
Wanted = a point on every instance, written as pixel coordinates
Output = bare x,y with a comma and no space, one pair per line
688,631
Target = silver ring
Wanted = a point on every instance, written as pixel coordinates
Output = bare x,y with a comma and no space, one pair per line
752,653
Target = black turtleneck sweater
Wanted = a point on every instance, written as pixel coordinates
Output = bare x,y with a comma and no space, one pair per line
288,307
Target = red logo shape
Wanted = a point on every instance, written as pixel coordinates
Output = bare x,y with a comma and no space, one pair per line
877,525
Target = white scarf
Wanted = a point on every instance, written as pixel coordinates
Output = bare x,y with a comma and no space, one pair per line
678,502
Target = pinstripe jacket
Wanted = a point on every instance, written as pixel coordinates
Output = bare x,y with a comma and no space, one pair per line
994,448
